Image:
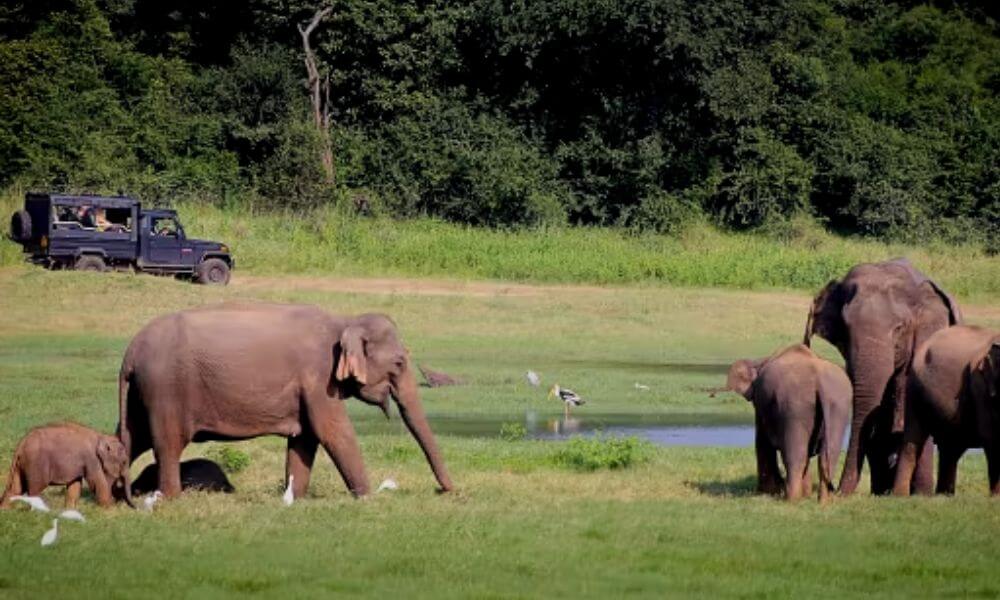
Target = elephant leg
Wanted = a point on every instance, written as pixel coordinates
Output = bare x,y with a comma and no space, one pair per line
329,420
914,443
993,468
795,454
299,462
825,470
807,482
101,487
36,482
948,469
73,491
769,479
923,476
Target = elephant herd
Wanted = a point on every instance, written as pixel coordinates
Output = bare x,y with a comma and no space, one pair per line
915,377
914,372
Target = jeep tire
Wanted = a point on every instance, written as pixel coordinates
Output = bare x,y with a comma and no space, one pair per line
20,226
213,271
91,263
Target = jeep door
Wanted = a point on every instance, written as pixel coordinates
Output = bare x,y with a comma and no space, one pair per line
165,241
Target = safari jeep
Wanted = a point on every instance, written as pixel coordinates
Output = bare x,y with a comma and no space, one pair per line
97,233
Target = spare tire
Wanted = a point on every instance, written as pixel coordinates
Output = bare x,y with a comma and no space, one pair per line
20,226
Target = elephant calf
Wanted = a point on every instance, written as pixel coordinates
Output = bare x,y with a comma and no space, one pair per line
954,395
802,405
66,454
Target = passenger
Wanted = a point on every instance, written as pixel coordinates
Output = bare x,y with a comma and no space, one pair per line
103,224
85,216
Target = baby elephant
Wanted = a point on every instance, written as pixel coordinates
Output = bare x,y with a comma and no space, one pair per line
66,454
802,405
196,474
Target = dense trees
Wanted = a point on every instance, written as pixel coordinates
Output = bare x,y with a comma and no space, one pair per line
881,118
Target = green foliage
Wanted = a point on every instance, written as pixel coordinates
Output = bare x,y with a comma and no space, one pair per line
513,432
880,118
232,460
603,452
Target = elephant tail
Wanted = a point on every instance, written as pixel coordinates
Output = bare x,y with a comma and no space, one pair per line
124,431
834,411
14,487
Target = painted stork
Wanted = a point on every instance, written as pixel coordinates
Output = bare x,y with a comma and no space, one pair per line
569,397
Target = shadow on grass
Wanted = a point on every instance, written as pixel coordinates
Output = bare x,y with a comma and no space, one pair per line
743,486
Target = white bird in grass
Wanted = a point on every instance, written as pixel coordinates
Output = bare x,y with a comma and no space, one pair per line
34,502
569,397
50,536
289,496
388,484
641,387
533,378
72,515
152,499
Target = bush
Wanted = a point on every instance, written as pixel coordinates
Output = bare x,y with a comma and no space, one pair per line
603,452
512,432
232,460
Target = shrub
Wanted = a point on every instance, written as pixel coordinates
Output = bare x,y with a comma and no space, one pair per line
512,432
232,460
603,452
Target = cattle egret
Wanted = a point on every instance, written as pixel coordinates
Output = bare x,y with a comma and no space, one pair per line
569,397
289,496
152,499
72,515
533,378
641,387
388,484
50,536
34,502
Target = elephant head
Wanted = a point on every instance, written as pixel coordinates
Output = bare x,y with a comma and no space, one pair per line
984,375
115,464
741,376
373,365
874,316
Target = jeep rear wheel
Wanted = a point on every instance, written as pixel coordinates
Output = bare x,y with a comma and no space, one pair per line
213,271
88,262
20,226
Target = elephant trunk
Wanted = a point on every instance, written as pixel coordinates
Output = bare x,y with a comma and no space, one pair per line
411,410
870,368
127,487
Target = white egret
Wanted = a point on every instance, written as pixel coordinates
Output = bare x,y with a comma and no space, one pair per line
152,499
569,397
72,515
50,536
641,387
35,502
289,496
388,484
533,378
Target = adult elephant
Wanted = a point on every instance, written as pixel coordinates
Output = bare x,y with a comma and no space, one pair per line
239,371
876,315
954,395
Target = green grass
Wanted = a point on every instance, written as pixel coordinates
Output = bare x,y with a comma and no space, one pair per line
523,522
330,243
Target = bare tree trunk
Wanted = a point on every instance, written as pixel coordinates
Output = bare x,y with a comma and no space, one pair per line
319,95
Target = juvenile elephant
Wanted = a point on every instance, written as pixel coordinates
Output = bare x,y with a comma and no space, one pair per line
67,454
801,405
954,396
876,315
239,371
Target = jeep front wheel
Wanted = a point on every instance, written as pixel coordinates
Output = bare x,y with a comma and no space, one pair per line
93,264
213,271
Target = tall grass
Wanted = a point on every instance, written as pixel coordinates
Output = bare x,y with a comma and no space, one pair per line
325,241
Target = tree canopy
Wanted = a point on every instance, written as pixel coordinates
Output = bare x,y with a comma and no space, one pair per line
880,118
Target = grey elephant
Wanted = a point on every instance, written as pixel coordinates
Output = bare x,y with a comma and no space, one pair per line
239,371
802,404
954,396
876,316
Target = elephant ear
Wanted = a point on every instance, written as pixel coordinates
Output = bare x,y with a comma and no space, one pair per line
954,314
990,371
351,361
106,453
825,318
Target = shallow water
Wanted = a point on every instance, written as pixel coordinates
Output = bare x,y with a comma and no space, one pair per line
665,430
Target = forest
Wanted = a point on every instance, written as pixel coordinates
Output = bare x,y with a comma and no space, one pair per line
875,118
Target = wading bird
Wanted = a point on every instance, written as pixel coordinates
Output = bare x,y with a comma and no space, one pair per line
641,387
152,499
289,496
72,515
34,502
50,536
533,378
569,397
388,484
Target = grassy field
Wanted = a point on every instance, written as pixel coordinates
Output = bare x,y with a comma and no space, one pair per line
520,524
326,242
